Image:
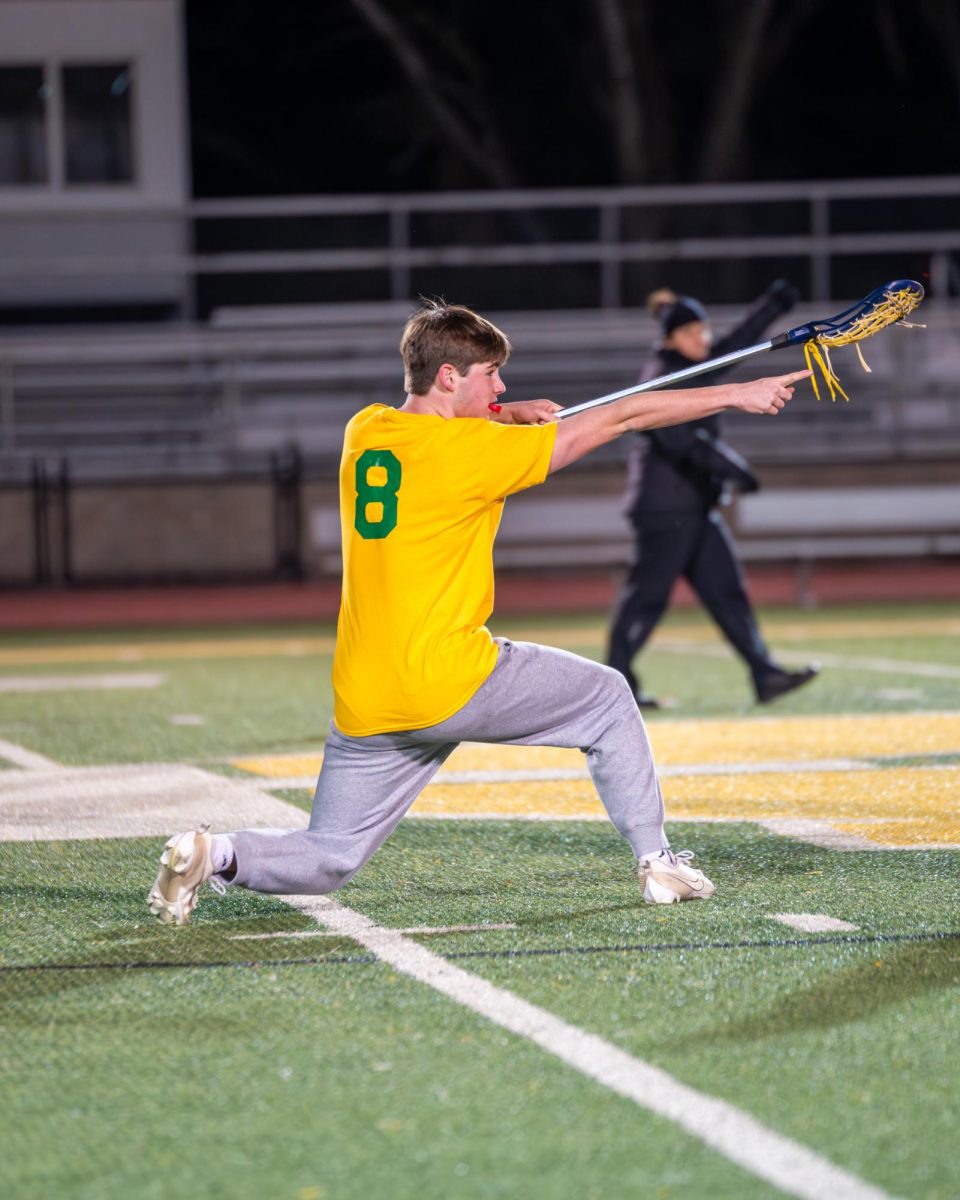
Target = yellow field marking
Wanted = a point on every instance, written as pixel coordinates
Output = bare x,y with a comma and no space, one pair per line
902,807
896,794
893,807
467,757
551,798
764,739
280,766
909,806
148,651
795,738
915,831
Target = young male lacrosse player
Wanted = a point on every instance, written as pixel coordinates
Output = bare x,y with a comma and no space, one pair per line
415,671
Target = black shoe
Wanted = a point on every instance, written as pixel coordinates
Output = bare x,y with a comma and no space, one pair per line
777,682
645,701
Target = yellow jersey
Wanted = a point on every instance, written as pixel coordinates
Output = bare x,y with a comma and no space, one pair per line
421,498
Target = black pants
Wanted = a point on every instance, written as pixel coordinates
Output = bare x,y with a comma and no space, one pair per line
698,547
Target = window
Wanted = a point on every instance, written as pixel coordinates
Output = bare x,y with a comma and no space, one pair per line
90,118
96,118
23,144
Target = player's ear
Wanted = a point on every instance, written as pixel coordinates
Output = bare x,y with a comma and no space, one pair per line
447,377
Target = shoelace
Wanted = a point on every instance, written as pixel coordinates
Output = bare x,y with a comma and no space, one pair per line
218,885
675,857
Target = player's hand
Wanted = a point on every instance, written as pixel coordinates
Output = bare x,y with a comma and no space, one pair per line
768,396
527,412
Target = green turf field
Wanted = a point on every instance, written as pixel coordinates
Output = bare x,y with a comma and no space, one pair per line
269,1051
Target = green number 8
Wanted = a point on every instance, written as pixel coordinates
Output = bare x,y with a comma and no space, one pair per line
384,494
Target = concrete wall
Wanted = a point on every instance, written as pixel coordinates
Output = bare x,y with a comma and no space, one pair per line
189,530
225,529
144,531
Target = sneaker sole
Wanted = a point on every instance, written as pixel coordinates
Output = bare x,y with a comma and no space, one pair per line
655,892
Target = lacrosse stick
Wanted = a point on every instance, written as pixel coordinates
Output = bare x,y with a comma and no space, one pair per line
884,306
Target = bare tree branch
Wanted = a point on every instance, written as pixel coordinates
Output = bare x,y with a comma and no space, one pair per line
235,151
627,111
783,30
886,25
663,140
483,157
944,23
736,82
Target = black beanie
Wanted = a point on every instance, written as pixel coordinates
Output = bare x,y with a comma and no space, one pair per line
681,311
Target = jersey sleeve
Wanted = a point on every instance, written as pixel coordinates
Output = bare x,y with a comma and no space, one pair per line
499,460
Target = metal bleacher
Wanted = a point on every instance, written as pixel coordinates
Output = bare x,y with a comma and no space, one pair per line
218,401
250,384
252,388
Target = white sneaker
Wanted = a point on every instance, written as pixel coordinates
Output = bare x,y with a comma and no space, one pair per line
185,866
668,878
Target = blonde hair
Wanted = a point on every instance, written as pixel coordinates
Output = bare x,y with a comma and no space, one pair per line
658,300
439,333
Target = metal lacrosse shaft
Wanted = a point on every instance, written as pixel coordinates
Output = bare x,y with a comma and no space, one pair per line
651,385
791,337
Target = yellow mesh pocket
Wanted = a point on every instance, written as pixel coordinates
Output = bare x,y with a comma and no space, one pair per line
892,308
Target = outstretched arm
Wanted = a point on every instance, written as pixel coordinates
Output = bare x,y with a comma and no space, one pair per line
585,431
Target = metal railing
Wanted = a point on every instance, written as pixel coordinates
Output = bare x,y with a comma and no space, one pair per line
406,235
610,249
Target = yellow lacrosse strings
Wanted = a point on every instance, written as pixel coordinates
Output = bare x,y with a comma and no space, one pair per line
811,352
894,307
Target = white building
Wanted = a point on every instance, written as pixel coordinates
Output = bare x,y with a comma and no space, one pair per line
94,163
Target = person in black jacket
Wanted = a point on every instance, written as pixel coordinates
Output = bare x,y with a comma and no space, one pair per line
677,476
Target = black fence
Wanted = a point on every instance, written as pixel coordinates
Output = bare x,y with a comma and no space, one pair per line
64,528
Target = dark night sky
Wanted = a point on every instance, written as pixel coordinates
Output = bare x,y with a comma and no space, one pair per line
297,96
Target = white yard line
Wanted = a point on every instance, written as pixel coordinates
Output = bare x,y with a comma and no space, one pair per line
79,683
891,666
821,833
415,815
137,800
769,767
676,770
852,662
533,775
742,1139
50,803
550,774
20,756
814,922
817,833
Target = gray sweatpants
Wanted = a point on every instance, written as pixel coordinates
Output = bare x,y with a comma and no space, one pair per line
535,696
